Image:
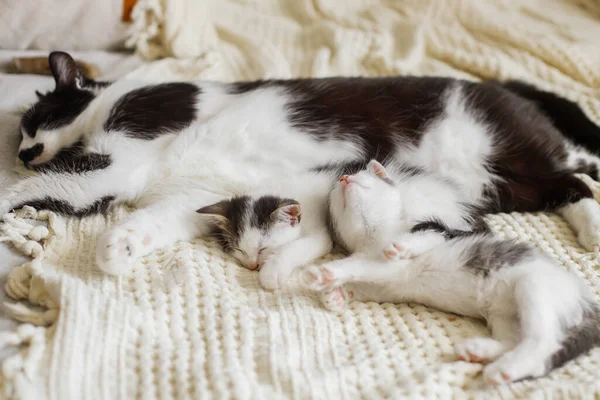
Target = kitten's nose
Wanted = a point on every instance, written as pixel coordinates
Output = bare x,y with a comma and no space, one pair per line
252,267
344,179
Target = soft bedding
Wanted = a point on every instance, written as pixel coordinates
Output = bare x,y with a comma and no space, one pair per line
188,322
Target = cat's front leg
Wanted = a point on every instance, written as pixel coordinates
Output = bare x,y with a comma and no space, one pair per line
64,193
278,267
356,268
158,225
410,245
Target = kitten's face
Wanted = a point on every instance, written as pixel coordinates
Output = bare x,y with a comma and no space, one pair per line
252,229
363,205
46,126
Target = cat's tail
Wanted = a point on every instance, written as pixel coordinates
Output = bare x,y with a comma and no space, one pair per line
579,339
567,116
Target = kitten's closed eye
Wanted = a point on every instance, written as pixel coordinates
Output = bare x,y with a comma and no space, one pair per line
241,251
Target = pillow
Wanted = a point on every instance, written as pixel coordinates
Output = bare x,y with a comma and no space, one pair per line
64,24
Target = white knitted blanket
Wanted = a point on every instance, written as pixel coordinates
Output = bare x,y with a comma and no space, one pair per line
188,322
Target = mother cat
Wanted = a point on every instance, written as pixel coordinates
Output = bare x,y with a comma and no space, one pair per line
171,148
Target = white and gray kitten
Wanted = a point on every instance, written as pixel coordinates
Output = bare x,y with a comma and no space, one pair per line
540,315
275,233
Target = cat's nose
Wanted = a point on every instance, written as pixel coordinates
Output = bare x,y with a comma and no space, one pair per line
344,179
31,153
252,267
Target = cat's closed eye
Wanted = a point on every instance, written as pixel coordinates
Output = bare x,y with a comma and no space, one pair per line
261,250
241,251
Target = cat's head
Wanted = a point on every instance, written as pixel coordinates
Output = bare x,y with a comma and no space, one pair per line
46,127
251,229
362,205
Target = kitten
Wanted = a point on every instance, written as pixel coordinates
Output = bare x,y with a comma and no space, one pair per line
273,233
540,315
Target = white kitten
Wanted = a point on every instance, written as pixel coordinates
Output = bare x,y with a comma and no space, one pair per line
540,316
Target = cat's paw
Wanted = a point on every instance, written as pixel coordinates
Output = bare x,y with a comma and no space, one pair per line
479,349
512,367
396,251
5,208
118,248
589,237
319,278
273,274
336,299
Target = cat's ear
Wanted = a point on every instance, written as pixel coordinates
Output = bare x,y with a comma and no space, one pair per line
288,211
218,210
378,169
65,71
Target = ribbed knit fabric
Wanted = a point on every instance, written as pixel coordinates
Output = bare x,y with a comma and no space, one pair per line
188,322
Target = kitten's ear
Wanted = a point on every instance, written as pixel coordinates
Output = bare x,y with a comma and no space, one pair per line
217,210
288,211
375,167
65,71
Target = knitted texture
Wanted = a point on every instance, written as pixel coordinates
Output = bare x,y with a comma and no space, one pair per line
188,322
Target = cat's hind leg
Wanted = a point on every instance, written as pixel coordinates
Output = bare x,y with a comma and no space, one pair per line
539,332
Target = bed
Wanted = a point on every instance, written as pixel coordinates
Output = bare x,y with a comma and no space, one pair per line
187,321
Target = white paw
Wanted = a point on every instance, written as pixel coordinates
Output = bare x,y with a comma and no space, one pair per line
479,349
336,298
396,251
589,238
319,278
5,208
118,248
509,368
273,274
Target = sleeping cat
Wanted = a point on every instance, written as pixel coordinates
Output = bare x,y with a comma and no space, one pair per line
274,233
540,315
168,148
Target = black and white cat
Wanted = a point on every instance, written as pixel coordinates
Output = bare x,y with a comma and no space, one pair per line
540,315
170,148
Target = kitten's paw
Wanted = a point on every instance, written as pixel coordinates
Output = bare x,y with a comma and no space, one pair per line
396,251
336,298
510,368
319,278
273,274
479,350
118,248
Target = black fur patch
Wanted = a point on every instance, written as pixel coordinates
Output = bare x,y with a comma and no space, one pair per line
151,111
579,339
29,154
488,256
376,112
566,115
436,225
55,109
100,206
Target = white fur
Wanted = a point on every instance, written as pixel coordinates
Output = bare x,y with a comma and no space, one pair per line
528,306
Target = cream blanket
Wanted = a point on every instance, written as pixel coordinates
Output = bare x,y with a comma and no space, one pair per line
188,322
